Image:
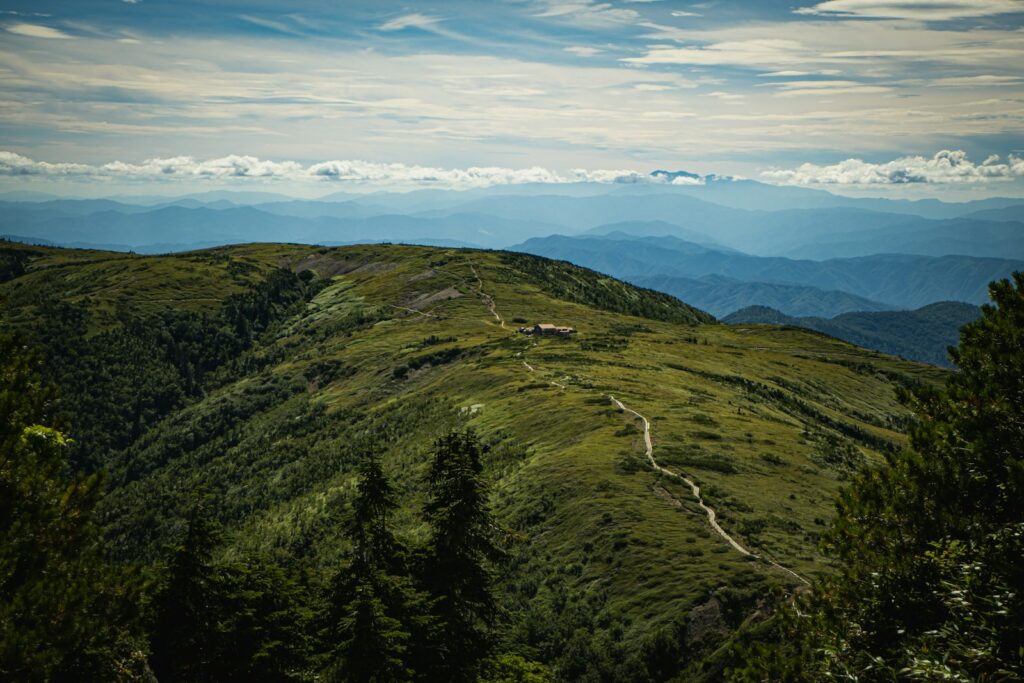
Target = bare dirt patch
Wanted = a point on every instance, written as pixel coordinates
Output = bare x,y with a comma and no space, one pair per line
424,300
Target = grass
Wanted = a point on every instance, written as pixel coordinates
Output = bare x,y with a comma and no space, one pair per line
586,517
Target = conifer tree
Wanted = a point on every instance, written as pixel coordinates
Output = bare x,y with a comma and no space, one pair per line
224,622
929,582
184,629
455,570
62,611
375,587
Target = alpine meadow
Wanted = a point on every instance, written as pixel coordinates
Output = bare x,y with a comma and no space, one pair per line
528,341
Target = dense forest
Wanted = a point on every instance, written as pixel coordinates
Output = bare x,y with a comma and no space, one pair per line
140,444
924,334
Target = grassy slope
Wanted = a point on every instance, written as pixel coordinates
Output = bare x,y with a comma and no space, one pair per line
923,334
106,281
586,517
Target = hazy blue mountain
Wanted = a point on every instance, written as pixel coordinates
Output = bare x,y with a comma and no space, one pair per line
653,229
68,207
582,213
192,203
1013,213
306,208
236,197
923,334
513,214
808,232
754,195
965,236
143,228
900,280
27,196
721,295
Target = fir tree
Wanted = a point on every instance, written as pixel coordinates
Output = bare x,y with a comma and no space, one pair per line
184,630
455,570
375,588
929,582
63,613
240,621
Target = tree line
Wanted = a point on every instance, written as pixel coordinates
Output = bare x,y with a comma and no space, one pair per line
928,583
391,612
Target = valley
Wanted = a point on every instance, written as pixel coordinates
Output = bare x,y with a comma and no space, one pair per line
672,508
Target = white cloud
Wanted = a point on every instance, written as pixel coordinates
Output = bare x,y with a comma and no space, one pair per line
946,167
415,20
584,51
313,100
820,46
756,52
727,96
37,31
926,10
237,167
791,73
981,80
586,12
825,88
681,13
270,24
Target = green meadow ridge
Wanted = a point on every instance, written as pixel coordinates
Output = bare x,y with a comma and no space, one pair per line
655,475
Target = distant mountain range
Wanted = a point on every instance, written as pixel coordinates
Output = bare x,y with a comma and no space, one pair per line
720,295
885,280
752,217
923,334
720,244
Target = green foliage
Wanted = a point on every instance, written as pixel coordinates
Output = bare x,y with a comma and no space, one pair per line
376,587
63,614
184,630
510,668
929,583
118,383
565,281
924,334
225,622
607,560
12,262
455,568
439,357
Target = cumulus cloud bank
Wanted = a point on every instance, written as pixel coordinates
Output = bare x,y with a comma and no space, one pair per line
947,166
935,10
353,171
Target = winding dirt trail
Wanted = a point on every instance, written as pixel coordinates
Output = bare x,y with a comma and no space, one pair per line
648,450
712,518
485,297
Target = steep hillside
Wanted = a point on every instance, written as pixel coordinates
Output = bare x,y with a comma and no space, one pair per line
723,295
922,335
900,280
255,376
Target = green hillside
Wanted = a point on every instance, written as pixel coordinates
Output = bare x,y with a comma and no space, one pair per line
924,334
254,377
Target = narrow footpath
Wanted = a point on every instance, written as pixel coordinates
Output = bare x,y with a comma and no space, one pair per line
712,518
488,301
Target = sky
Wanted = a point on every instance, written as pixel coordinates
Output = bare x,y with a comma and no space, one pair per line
883,97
